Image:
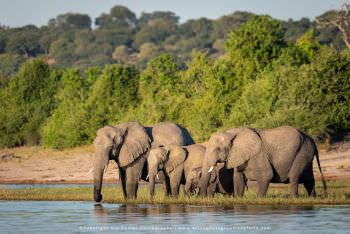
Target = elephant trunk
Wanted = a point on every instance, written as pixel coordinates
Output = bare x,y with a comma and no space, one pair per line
209,164
188,188
100,165
151,185
203,185
152,173
239,183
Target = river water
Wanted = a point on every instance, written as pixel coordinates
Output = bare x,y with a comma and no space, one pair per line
87,217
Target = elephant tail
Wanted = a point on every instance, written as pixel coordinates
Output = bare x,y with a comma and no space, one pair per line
319,168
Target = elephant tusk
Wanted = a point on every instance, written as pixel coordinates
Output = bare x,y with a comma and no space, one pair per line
157,177
211,169
147,177
116,164
90,171
105,169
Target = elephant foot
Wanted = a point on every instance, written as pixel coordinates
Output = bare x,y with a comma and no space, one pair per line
97,195
131,190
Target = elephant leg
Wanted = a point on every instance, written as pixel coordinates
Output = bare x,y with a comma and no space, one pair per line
166,185
294,188
211,189
122,179
263,174
310,188
175,180
239,183
309,182
262,187
299,167
131,184
133,174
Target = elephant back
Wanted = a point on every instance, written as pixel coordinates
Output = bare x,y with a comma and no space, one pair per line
188,140
167,133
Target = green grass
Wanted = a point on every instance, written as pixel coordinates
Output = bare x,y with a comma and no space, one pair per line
338,193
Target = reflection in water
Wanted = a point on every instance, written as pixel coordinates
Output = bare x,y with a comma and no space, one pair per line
72,217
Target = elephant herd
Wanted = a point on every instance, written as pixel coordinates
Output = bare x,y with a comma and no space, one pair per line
167,153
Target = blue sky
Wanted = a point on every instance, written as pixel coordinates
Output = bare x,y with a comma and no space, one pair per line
16,13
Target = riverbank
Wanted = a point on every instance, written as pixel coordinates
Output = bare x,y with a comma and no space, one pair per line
338,194
37,165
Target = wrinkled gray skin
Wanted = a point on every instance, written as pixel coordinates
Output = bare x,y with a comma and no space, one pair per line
128,145
279,155
221,180
175,162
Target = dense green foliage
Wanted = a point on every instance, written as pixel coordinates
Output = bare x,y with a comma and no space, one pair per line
26,102
76,40
259,80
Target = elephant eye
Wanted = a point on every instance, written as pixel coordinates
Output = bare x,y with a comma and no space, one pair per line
217,150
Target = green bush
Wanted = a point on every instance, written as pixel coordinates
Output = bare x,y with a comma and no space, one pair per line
67,125
26,103
112,96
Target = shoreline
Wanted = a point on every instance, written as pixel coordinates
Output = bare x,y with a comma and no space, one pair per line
338,194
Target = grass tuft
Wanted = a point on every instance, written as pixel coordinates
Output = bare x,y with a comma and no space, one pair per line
338,194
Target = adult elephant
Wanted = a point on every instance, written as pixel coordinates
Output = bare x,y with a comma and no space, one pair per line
128,145
280,155
221,180
176,163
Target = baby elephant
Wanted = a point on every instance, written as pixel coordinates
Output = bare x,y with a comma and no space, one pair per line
221,181
175,162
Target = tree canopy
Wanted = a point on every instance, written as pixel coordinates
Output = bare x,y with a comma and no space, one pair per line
258,75
76,40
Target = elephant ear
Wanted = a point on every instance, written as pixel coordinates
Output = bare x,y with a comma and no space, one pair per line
176,157
245,145
136,143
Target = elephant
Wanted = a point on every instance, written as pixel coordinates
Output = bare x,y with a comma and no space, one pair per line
221,180
128,145
175,162
279,155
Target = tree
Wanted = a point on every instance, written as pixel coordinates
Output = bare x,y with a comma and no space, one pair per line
121,54
149,18
155,32
62,50
9,64
260,40
70,21
119,16
308,44
200,109
339,19
200,29
68,123
148,50
28,101
294,29
225,24
159,90
2,45
256,102
24,41
112,97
